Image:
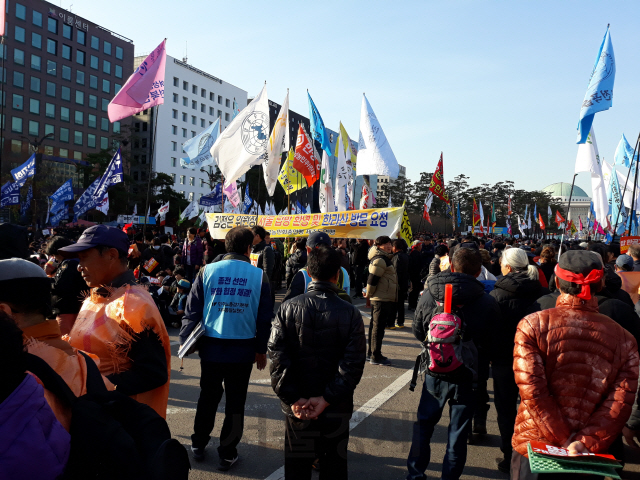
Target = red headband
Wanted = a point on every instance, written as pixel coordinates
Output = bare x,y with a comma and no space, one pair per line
593,277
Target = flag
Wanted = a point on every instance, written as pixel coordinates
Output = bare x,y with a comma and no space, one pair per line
318,131
103,206
112,176
437,182
58,217
248,201
198,148
588,160
618,210
135,209
425,214
260,212
144,88
550,213
600,90
163,210
212,198
624,153
325,196
476,214
24,208
244,142
559,219
541,222
344,171
580,220
535,212
481,212
278,143
289,177
526,211
24,171
520,226
10,194
190,212
493,214
87,201
375,156
299,208
63,194
458,216
367,199
231,192
509,211
449,210
236,109
572,228
304,160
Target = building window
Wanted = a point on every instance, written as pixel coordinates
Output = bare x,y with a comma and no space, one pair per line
64,114
182,177
193,120
66,52
36,62
18,56
16,146
107,48
104,143
77,137
34,128
116,127
50,110
192,181
79,77
106,86
65,93
105,104
67,31
94,62
93,82
21,11
175,98
64,135
81,37
118,71
135,176
143,159
66,72
173,177
16,124
35,84
202,122
219,113
194,105
184,132
185,101
212,111
49,130
92,121
91,140
185,86
203,108
104,126
52,68
78,118
79,97
194,89
52,47
201,182
226,102
93,101
119,53
106,66
174,113
34,106
17,102
80,57
184,117
52,25
220,99
36,40
20,34
174,146
212,97
36,19
174,129
226,117
95,43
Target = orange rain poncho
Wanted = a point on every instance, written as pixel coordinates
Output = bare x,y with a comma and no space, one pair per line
106,327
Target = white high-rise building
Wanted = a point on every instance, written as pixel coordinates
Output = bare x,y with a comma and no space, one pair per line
193,100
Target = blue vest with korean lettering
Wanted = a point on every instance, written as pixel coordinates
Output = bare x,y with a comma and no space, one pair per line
344,283
231,298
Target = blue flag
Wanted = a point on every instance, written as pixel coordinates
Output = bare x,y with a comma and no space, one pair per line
10,194
212,198
198,148
24,171
86,201
112,176
248,201
458,217
61,215
600,90
318,132
27,201
618,211
300,208
63,194
623,154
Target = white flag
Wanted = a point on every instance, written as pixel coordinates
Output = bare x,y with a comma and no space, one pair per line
481,213
260,212
344,173
375,156
48,209
326,192
135,209
103,206
191,211
203,216
588,160
162,211
244,142
278,143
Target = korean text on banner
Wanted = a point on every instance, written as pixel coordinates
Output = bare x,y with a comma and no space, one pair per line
370,223
626,242
405,229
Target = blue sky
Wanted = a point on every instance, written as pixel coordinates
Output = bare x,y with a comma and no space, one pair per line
497,86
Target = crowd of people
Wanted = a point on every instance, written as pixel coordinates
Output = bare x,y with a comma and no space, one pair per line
85,318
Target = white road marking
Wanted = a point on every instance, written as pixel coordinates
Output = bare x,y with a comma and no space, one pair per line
365,410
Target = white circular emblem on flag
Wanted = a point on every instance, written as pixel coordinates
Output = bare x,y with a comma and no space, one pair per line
254,132
206,142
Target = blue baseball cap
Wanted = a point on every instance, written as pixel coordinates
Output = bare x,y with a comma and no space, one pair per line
318,238
98,236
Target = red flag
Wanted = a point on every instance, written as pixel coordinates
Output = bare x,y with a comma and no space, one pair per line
476,214
509,212
437,182
541,222
304,159
559,218
425,214
126,227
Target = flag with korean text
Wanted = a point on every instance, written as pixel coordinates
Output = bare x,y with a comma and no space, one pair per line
248,201
437,182
63,194
290,179
198,148
344,171
24,208
318,130
588,160
24,171
325,195
600,89
86,201
112,176
231,192
144,88
278,143
103,206
304,159
623,153
10,194
375,156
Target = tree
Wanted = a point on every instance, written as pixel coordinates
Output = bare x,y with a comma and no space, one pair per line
401,190
420,192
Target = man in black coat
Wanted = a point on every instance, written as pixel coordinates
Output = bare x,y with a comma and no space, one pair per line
415,267
400,262
317,350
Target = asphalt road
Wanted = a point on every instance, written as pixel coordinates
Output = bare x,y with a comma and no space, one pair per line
381,427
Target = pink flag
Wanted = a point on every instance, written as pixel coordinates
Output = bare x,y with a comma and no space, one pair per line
580,218
144,88
232,194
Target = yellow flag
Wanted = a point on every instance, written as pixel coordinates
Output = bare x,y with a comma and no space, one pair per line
405,229
290,179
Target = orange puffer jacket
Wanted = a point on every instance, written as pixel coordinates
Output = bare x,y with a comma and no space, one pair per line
577,372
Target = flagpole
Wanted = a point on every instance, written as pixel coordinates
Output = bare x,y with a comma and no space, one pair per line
635,149
153,151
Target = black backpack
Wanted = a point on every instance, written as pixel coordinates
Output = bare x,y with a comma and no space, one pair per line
112,435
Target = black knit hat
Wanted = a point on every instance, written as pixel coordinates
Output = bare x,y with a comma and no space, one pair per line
580,261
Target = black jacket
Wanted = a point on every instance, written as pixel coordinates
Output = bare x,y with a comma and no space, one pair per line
67,288
515,293
317,348
415,266
158,256
266,258
477,309
360,256
400,262
295,262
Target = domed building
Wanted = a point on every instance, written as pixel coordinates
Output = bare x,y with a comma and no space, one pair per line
580,201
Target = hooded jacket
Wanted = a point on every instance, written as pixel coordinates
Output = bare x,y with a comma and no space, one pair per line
515,293
577,372
382,283
317,348
295,262
263,257
400,261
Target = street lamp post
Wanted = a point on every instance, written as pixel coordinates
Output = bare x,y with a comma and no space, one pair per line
34,148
